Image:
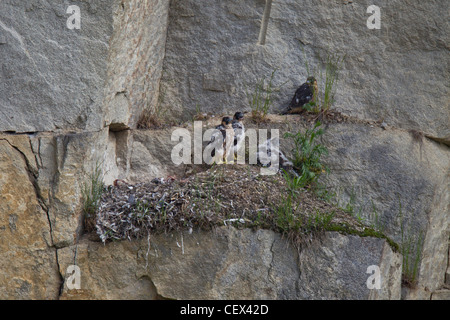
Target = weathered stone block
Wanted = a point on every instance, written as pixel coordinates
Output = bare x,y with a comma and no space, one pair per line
235,264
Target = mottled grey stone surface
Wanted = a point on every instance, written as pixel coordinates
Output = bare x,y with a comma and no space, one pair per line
236,264
396,74
53,77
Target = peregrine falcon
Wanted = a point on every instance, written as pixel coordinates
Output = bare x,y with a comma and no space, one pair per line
239,135
265,151
226,129
306,93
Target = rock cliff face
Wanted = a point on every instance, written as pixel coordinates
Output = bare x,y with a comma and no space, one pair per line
394,73
234,264
53,77
70,100
28,259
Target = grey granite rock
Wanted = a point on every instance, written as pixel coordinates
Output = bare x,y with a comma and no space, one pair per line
53,77
396,73
236,264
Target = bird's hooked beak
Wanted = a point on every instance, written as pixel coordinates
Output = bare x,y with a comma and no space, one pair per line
311,80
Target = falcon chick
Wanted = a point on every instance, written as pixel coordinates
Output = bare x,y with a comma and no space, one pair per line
265,151
239,135
307,92
223,151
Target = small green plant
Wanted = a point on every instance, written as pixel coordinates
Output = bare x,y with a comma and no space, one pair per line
260,99
332,67
374,217
92,192
319,221
350,207
142,209
307,153
285,214
152,118
289,220
411,250
294,182
199,115
300,226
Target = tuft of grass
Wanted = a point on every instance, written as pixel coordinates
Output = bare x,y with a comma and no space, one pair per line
206,200
299,227
294,183
260,99
375,220
322,192
350,207
285,215
157,117
92,192
306,161
307,153
332,67
199,115
152,118
319,221
411,250
417,135
148,120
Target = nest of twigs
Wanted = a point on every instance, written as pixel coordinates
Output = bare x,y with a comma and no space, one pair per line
235,195
219,195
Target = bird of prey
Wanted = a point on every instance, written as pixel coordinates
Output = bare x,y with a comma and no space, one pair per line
226,133
239,135
265,151
306,93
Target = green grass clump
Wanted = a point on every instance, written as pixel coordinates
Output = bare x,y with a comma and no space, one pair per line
300,227
260,99
306,159
92,192
332,67
411,250
307,153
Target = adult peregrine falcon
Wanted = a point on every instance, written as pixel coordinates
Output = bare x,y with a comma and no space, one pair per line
307,92
239,135
227,132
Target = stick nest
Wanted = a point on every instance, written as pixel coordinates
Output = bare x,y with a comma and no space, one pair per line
235,195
